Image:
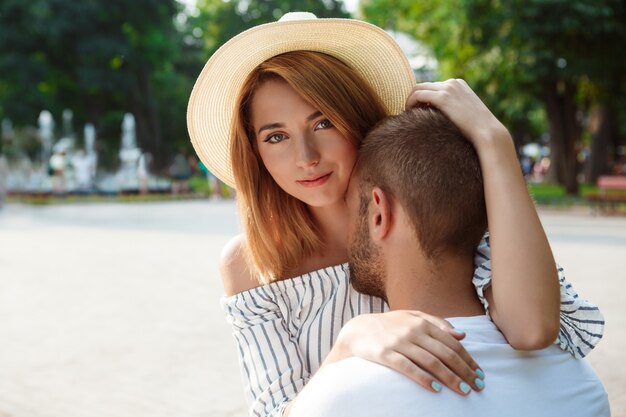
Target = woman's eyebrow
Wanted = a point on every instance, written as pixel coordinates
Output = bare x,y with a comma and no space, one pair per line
313,115
270,126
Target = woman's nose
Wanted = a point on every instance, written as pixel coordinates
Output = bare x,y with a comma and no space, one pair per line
308,154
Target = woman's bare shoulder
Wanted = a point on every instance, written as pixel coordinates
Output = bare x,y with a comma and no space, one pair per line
236,272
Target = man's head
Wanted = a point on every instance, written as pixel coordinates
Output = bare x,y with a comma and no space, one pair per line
419,163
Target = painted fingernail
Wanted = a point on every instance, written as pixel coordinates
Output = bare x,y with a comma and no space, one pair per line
480,373
479,383
457,331
436,386
464,388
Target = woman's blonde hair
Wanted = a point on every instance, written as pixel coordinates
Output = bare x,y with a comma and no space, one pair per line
280,231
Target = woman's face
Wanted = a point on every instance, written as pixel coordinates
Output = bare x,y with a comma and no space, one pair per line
304,153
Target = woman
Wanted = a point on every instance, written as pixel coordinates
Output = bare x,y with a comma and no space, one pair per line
278,113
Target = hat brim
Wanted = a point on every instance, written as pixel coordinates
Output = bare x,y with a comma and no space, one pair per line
369,50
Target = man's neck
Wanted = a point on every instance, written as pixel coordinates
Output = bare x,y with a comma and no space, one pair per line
442,289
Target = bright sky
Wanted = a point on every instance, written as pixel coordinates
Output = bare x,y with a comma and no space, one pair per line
351,5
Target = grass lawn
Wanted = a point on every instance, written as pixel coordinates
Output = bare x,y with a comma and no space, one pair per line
551,195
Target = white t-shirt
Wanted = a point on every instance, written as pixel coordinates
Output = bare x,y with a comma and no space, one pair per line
547,383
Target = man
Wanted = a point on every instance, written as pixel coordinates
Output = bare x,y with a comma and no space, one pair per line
419,213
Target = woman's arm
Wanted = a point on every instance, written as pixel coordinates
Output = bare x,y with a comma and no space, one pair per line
524,295
423,347
235,269
270,361
582,323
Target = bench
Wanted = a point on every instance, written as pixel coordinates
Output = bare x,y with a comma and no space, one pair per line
611,191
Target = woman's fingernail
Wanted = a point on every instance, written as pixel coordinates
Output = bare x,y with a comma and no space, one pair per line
457,331
479,383
464,388
480,373
436,386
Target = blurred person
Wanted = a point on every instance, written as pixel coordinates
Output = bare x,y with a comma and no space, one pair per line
212,181
544,165
431,176
4,178
282,124
193,165
58,164
526,163
216,186
619,167
540,168
180,171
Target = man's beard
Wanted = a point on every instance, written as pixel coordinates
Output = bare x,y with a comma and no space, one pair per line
366,266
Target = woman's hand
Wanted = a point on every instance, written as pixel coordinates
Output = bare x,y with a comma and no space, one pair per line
422,347
463,107
524,297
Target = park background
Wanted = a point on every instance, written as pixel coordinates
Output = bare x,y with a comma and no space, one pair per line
552,70
111,308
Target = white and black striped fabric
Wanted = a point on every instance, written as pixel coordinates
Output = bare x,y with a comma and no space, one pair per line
284,330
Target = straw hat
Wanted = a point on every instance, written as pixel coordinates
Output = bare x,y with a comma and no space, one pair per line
369,50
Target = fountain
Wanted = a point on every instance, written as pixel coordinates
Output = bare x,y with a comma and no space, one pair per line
128,176
85,161
90,140
66,169
68,128
46,133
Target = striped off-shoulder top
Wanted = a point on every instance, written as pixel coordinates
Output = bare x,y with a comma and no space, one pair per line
284,330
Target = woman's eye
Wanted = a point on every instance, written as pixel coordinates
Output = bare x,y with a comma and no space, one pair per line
324,124
275,138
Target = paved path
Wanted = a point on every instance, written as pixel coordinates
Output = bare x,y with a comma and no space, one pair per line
110,310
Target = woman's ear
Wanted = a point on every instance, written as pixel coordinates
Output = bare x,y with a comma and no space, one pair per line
380,215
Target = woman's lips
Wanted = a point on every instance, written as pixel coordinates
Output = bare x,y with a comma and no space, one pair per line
316,181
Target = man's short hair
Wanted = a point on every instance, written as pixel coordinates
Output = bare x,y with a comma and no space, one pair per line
426,164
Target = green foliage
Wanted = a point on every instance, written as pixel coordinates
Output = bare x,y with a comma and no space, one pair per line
100,58
513,45
492,71
221,20
515,53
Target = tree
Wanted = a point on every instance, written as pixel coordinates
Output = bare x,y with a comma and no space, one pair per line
100,58
538,51
221,20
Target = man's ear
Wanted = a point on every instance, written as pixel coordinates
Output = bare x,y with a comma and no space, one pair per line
379,215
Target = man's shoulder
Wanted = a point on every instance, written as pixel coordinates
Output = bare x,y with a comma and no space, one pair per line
356,386
515,380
